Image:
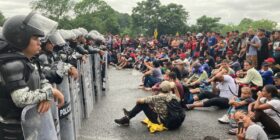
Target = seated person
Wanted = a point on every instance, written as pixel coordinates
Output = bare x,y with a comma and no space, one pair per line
224,89
224,67
248,130
252,78
276,80
267,74
198,75
154,107
266,109
204,65
235,65
152,76
236,104
177,87
180,69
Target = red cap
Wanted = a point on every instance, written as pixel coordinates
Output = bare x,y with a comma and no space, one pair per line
270,60
196,54
229,52
183,55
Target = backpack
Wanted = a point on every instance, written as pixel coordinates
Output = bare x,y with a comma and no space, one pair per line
175,116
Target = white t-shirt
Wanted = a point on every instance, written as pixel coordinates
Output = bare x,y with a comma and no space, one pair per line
227,86
273,114
255,132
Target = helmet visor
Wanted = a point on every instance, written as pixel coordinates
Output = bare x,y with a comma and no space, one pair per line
39,22
56,39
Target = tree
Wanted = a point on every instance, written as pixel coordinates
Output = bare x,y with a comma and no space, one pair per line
150,15
205,23
2,19
90,6
145,15
246,23
54,9
172,19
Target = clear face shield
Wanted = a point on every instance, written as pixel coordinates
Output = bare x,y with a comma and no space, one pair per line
94,34
83,30
1,33
67,34
56,39
41,23
77,32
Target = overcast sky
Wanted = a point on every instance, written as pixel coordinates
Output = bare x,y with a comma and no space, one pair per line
231,11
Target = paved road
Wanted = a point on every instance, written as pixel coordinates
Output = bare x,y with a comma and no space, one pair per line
123,93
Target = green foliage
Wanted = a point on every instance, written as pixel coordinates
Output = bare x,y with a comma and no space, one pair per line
205,23
246,23
150,14
147,16
53,8
2,19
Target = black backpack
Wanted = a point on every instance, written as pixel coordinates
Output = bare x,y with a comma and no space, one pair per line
175,116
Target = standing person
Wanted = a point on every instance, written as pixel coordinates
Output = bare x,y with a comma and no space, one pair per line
263,50
236,42
276,47
21,83
252,47
212,41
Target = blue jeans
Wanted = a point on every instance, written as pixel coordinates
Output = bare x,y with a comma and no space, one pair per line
150,81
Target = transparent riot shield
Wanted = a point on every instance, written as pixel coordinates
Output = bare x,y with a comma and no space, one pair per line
65,112
105,82
97,74
55,116
87,86
76,105
37,126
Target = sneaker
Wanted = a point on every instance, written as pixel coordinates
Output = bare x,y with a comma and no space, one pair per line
232,131
189,107
148,89
224,119
233,125
123,121
141,87
125,112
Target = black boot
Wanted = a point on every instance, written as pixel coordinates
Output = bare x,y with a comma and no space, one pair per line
126,113
123,121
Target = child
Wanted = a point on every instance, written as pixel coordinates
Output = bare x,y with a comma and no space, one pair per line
237,103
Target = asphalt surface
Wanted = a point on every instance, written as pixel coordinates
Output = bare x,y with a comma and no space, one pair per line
123,93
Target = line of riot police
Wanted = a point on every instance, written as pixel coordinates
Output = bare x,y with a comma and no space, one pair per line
49,78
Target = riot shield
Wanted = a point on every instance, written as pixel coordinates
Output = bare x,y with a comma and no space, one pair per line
87,86
55,116
76,105
65,112
97,74
37,126
105,82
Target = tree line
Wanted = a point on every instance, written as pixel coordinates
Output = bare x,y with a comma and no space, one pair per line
147,16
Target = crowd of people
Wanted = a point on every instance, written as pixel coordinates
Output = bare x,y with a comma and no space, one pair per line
239,72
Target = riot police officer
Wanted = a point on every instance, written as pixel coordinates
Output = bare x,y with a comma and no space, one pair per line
52,65
21,82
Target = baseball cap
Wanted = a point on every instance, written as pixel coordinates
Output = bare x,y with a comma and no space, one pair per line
269,60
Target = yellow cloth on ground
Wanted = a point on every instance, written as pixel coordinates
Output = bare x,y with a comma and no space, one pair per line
153,127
